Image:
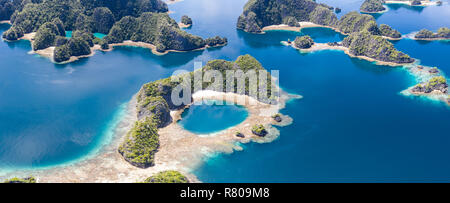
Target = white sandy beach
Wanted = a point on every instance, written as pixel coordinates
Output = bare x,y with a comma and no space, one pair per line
179,149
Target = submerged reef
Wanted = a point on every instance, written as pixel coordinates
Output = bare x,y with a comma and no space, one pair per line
167,177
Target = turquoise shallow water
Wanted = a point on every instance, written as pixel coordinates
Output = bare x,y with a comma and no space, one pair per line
211,117
352,124
99,35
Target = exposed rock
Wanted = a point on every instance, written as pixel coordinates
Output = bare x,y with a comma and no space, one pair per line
333,44
437,83
259,130
337,10
156,108
388,31
13,33
303,42
239,134
277,118
434,71
424,33
157,29
186,20
141,144
443,32
167,177
375,47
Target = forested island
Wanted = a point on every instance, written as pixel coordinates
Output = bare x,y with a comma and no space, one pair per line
154,105
442,33
143,21
373,6
365,38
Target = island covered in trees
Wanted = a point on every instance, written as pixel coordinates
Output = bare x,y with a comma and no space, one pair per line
138,22
373,6
365,38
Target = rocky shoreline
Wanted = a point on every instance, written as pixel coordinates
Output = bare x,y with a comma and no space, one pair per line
180,150
49,52
409,3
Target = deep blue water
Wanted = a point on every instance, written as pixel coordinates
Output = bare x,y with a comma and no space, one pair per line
211,117
352,124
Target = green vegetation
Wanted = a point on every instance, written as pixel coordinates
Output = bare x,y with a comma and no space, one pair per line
13,33
30,179
157,29
303,42
387,31
216,41
46,35
291,21
141,144
86,15
103,20
154,104
443,32
261,13
375,47
372,6
79,45
354,22
186,20
167,177
437,80
416,2
259,130
424,33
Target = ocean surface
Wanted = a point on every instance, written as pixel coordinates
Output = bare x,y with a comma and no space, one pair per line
352,125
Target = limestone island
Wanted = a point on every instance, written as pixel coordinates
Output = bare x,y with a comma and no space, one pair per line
150,146
442,34
293,15
373,6
186,22
30,179
142,23
414,2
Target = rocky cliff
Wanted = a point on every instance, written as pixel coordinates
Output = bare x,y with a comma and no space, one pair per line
258,14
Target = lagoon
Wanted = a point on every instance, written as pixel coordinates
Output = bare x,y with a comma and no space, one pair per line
351,126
